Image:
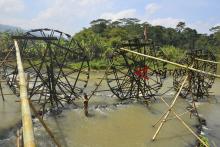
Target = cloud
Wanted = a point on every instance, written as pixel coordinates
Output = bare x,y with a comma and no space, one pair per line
121,14
201,26
217,24
11,6
66,15
71,15
167,22
152,8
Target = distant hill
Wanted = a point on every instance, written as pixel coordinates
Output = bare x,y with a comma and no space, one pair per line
9,28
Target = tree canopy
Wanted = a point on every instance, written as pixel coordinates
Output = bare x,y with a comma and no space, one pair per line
105,34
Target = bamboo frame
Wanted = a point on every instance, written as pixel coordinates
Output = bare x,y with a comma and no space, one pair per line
164,117
170,62
185,125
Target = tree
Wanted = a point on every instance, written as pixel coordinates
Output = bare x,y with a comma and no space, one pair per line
99,25
180,26
215,29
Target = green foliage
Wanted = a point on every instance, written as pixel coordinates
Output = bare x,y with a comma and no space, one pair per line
98,64
103,36
173,54
205,139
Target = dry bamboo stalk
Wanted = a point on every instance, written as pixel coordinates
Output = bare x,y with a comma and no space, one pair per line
8,94
183,122
173,63
187,111
169,110
160,119
44,124
207,61
28,134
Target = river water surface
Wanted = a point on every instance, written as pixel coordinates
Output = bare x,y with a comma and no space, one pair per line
113,124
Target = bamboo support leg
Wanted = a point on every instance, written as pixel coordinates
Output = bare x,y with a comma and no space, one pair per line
159,119
44,125
187,127
3,98
188,111
169,110
18,138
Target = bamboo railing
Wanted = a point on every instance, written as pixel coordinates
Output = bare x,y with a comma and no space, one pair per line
173,63
28,134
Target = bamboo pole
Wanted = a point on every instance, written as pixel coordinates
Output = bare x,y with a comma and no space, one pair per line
185,125
169,110
173,63
3,98
28,133
44,125
187,111
17,139
207,61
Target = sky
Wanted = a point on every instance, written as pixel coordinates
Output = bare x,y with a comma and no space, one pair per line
71,16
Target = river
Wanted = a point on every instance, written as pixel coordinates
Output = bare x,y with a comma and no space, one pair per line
112,123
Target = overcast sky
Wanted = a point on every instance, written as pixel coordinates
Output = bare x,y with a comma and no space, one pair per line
71,16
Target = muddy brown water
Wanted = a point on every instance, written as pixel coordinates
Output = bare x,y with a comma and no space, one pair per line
114,124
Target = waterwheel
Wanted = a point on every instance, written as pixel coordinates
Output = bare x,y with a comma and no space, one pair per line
56,65
135,77
198,83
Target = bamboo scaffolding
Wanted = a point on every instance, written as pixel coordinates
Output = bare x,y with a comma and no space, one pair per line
173,63
164,117
28,134
185,125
